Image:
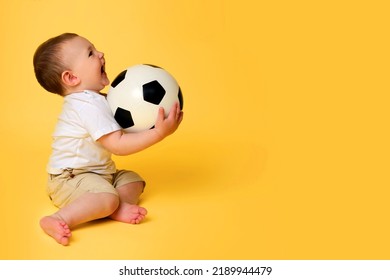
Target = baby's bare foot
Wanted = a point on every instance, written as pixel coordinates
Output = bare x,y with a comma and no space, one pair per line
56,228
129,213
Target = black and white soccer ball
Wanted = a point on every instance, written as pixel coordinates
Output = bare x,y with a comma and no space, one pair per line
138,92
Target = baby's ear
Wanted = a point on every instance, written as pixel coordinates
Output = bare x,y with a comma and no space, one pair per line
69,79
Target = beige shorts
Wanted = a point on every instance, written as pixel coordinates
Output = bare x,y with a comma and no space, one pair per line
72,183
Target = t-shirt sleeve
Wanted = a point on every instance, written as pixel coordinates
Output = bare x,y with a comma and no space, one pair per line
98,119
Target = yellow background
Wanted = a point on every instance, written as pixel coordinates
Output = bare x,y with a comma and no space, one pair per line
283,152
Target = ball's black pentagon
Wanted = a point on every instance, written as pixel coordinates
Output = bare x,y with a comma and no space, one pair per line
123,118
181,101
153,92
119,78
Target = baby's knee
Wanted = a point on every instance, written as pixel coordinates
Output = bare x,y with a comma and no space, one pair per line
110,202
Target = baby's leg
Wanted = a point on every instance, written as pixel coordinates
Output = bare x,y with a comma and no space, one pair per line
128,210
88,207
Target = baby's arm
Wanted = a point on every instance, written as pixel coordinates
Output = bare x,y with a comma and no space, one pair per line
120,143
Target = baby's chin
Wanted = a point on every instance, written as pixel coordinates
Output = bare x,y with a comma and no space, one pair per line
106,81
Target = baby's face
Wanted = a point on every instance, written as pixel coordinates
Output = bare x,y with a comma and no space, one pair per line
85,63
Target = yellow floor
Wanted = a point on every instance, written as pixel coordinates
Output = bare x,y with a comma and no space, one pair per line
283,152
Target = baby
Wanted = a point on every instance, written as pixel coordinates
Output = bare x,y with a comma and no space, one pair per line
83,180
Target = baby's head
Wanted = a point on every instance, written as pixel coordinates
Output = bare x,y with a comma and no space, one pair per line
49,65
69,63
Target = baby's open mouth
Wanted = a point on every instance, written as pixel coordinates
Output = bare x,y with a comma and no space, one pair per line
103,69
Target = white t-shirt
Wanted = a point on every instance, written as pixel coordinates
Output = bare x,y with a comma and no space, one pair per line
85,117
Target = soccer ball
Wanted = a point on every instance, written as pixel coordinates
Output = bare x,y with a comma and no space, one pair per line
138,92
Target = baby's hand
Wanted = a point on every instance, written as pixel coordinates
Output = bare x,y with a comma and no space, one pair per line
167,126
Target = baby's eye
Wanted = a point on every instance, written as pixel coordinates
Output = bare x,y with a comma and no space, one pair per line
90,53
